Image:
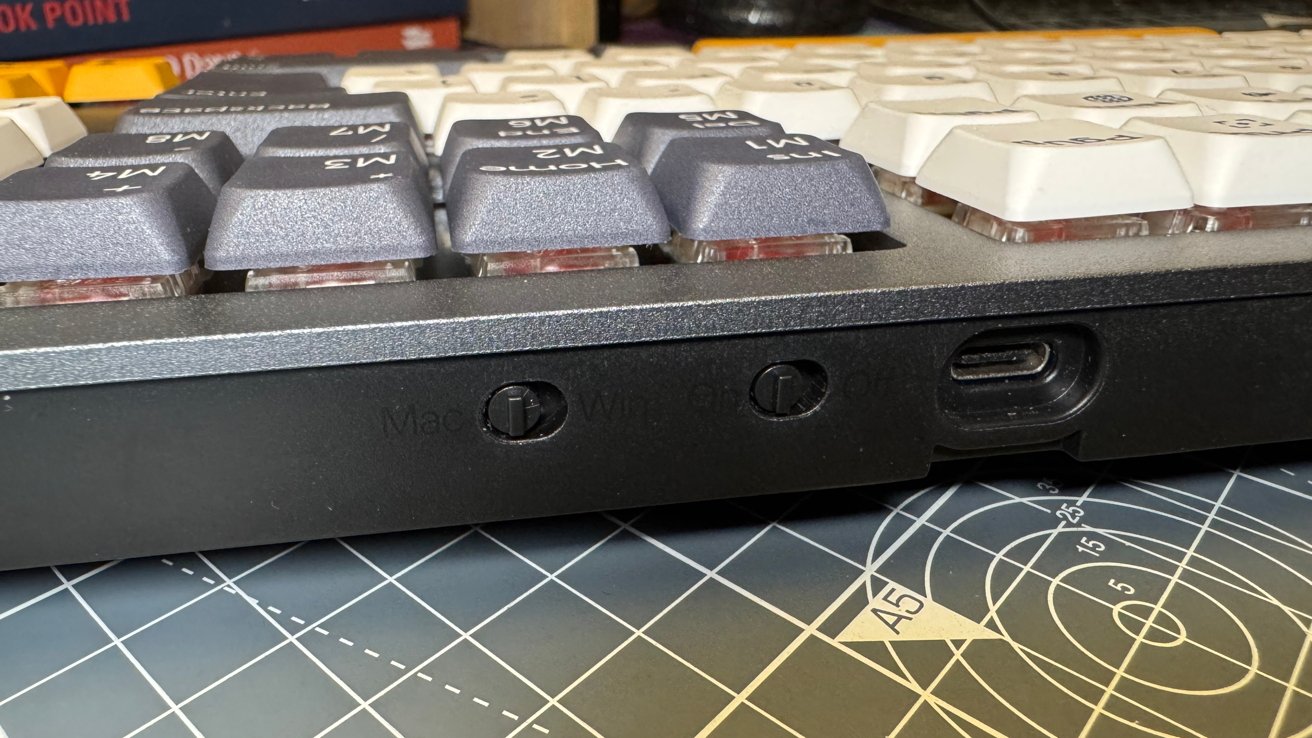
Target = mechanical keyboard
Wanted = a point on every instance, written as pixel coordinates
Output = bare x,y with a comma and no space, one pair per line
304,297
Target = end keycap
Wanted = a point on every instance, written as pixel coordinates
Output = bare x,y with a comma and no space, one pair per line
647,134
723,188
112,80
286,212
88,223
554,197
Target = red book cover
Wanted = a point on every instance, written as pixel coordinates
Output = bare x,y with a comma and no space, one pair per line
191,59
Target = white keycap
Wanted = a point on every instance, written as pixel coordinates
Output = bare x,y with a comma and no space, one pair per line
903,69
843,61
426,97
612,71
1235,52
1089,43
1157,56
990,45
1236,161
1287,75
1302,50
666,55
918,87
1155,80
1115,66
569,89
1080,69
898,136
1007,87
488,76
356,80
1055,169
1109,109
787,72
894,55
850,49
732,65
47,121
605,108
930,48
1230,63
17,152
821,110
492,106
761,51
705,81
561,60
1261,38
1026,57
1261,101
1194,41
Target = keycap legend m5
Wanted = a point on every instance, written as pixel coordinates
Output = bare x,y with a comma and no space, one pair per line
331,296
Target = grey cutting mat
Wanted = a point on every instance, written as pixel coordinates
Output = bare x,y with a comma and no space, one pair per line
1030,597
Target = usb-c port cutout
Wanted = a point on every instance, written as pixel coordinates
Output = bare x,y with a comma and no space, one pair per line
996,363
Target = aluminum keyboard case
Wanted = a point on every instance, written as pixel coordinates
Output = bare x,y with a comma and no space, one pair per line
221,420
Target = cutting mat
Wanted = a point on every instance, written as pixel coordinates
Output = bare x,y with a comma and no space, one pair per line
1015,598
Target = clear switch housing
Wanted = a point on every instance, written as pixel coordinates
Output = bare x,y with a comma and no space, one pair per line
513,263
103,289
330,275
692,251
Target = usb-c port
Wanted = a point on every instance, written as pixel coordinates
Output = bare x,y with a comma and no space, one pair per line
1019,376
994,363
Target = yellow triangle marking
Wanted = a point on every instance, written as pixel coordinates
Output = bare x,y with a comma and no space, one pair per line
898,614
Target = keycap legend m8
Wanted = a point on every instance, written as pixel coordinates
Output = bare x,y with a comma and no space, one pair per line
336,296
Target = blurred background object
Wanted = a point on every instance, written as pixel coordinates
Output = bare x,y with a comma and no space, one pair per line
765,17
572,24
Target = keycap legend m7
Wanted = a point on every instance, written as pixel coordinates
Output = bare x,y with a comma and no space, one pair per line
327,296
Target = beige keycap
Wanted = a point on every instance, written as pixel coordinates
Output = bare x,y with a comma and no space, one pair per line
569,89
816,108
492,106
605,108
426,96
1260,101
17,152
47,122
918,87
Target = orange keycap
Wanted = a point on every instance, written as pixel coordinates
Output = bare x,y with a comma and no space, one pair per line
50,74
16,84
110,80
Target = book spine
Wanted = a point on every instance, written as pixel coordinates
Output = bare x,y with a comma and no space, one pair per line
188,60
44,28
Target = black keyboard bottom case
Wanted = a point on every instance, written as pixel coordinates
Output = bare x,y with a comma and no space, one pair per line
235,419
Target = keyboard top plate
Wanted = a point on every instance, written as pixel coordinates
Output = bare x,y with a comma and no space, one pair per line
942,272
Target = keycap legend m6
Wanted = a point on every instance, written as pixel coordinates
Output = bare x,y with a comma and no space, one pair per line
645,275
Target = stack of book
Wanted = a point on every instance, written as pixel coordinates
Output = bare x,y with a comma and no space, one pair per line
194,35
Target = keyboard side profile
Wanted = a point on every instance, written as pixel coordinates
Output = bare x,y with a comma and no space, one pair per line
245,417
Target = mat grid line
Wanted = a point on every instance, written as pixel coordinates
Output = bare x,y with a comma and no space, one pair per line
1093,598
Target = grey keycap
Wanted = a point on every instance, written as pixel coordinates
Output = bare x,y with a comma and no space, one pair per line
281,212
85,223
448,61
647,134
556,130
552,197
354,140
328,66
248,122
211,153
213,84
796,185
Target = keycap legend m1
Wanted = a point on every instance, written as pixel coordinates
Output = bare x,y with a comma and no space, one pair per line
872,254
